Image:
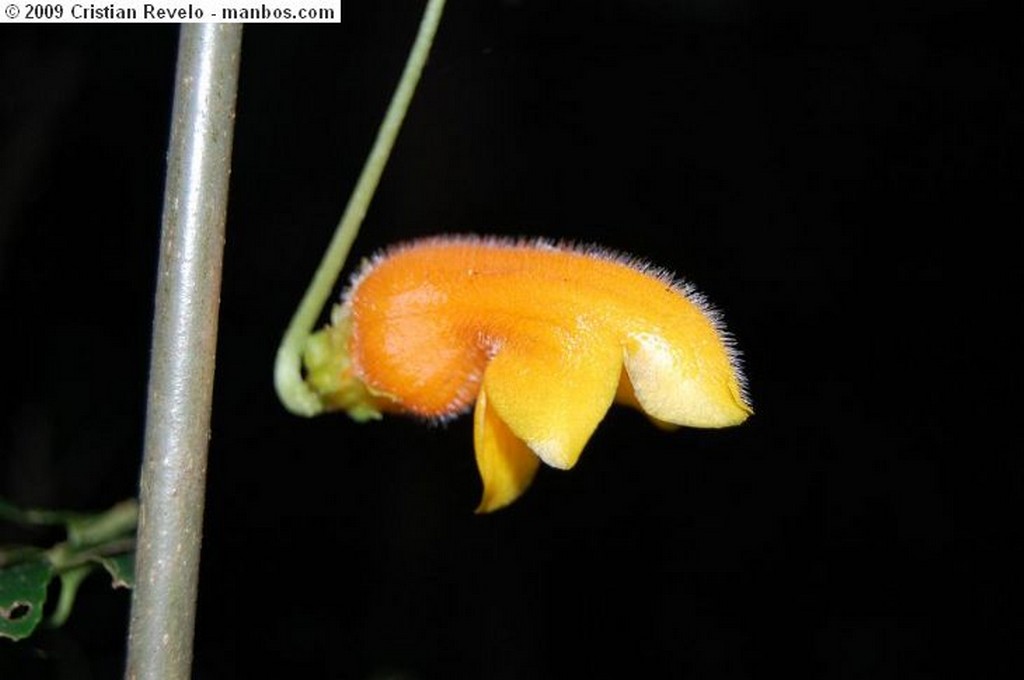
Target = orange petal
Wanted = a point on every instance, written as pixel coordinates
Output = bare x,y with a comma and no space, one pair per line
428,315
552,391
506,464
541,337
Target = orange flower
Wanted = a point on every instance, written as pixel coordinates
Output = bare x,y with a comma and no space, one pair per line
541,338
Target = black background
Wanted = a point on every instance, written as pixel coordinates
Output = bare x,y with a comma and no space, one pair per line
826,173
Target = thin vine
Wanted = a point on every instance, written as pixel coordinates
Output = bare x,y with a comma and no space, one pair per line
292,389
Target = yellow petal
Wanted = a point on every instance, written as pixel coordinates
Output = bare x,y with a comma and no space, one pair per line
553,390
682,384
506,464
627,397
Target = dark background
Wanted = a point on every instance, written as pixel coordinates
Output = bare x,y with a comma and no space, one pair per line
826,173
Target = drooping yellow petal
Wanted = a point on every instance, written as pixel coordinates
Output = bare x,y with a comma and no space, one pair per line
552,391
682,384
506,464
627,397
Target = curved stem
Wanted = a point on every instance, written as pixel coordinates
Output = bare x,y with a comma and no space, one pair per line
292,390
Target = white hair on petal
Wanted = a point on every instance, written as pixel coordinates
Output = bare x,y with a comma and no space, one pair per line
681,286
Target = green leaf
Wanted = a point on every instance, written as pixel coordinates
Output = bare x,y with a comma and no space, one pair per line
105,539
22,596
121,569
15,554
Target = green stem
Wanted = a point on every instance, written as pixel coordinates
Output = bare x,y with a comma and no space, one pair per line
292,390
70,580
34,517
83,528
91,530
64,557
